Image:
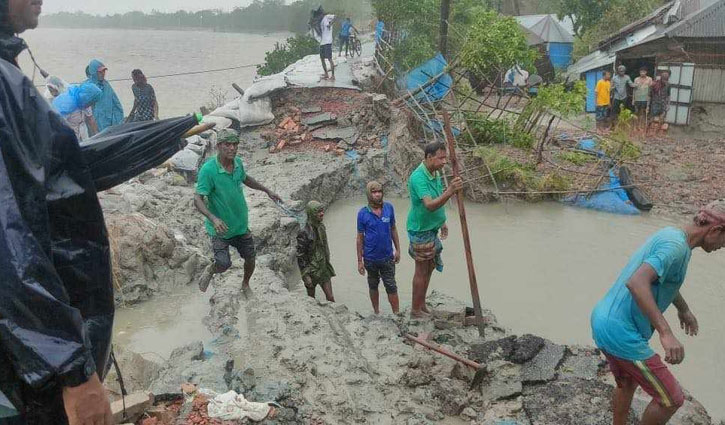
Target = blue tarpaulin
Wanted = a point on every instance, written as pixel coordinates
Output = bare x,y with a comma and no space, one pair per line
613,201
421,75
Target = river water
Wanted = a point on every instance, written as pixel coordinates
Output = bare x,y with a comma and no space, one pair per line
541,268
66,52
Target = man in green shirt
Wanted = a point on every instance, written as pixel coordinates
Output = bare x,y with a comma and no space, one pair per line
220,198
426,217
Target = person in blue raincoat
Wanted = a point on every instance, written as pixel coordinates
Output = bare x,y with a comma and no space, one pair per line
108,110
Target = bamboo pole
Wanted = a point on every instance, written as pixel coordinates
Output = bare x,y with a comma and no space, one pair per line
464,226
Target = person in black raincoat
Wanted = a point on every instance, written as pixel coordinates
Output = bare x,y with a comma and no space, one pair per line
56,296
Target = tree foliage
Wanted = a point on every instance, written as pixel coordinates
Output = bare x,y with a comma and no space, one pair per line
287,53
617,15
494,44
594,20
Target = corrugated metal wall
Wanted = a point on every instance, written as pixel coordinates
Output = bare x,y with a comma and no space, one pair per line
709,84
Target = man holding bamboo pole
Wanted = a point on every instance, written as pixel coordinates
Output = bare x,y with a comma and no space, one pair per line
426,218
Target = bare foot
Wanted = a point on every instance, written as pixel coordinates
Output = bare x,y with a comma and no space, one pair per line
332,78
425,309
325,77
247,292
272,413
419,314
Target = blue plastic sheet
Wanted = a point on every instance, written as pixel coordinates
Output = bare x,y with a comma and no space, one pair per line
77,97
421,75
613,201
590,145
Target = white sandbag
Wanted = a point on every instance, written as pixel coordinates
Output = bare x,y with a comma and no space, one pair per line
221,122
186,160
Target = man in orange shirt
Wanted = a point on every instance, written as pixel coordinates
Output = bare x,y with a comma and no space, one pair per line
602,95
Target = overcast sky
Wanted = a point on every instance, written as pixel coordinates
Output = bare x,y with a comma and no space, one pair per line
103,7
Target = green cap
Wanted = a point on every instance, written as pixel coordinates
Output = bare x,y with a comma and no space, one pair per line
227,136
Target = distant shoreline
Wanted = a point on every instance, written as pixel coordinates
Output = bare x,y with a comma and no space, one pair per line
184,29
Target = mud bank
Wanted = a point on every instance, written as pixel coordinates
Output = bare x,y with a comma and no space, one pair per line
323,363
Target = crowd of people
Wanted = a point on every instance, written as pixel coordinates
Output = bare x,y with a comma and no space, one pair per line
649,98
56,294
93,105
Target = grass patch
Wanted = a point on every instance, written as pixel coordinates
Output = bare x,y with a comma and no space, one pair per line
576,158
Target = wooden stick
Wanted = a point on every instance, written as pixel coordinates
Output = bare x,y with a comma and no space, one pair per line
199,129
441,350
464,226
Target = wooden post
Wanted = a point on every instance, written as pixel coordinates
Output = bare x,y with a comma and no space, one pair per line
445,13
464,224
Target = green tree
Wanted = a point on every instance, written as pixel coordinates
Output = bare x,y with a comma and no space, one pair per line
494,44
618,14
283,55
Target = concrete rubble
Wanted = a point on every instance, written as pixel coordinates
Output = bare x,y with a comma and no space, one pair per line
321,362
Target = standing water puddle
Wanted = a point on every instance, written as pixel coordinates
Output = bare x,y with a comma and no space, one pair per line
541,268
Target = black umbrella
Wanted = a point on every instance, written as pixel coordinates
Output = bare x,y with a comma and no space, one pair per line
124,151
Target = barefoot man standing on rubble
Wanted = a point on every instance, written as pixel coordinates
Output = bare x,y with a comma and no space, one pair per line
625,319
426,218
376,236
220,198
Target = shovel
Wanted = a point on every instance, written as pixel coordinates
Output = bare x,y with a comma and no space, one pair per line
480,369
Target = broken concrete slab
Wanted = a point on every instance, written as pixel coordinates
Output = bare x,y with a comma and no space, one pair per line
501,348
319,119
135,405
503,381
585,364
349,135
527,346
570,402
543,367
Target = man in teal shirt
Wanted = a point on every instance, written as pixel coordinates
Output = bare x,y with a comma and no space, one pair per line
625,319
427,216
220,198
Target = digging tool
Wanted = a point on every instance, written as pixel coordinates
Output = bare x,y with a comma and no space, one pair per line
464,225
480,369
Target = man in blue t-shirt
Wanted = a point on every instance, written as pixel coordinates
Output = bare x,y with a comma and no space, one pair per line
376,235
625,319
346,29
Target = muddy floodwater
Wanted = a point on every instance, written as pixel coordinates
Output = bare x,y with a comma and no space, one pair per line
541,268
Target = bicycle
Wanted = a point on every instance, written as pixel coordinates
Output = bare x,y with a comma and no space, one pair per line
355,45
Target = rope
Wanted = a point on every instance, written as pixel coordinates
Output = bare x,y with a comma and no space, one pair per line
178,74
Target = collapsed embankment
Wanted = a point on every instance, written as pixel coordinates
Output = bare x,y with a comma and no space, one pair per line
323,363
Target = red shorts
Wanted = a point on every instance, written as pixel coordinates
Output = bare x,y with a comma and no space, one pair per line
652,375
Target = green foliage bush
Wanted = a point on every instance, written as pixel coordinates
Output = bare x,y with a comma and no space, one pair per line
520,176
488,131
283,55
576,158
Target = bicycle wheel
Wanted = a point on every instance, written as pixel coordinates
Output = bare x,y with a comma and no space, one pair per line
358,47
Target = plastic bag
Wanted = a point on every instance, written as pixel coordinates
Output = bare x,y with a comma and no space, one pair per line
127,150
